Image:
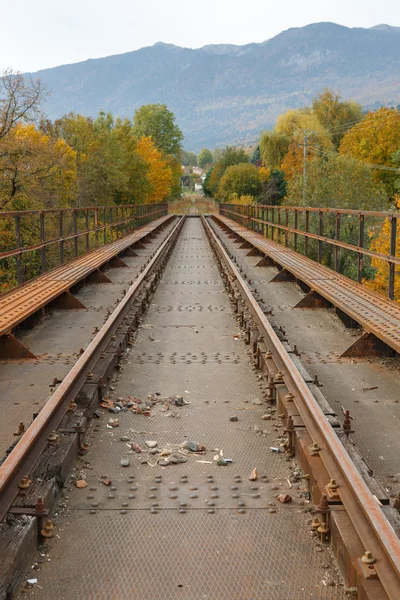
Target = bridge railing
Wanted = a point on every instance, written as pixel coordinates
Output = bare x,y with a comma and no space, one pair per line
343,239
35,241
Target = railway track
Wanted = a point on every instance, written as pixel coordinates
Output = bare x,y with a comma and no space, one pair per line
371,563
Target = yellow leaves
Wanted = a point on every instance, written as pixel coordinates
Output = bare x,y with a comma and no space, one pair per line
36,168
264,174
160,173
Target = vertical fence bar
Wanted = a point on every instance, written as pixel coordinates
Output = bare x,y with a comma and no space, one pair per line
87,229
42,239
361,245
96,225
287,225
61,235
18,244
336,248
279,229
75,226
392,266
273,223
296,223
320,232
267,225
307,228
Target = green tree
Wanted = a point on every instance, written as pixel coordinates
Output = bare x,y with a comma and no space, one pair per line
231,156
239,180
256,156
188,159
335,114
274,189
340,182
157,122
205,158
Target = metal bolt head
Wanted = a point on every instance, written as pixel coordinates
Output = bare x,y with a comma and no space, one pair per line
368,559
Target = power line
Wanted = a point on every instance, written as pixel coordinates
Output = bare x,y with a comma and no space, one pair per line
331,154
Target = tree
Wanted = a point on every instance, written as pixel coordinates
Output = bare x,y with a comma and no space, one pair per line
240,180
159,174
19,100
374,141
274,188
205,158
339,182
273,148
336,115
231,156
157,122
188,159
256,156
36,171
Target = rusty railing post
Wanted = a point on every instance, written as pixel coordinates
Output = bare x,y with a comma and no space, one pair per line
361,245
75,225
18,243
42,240
392,266
320,232
307,229
296,226
61,235
336,248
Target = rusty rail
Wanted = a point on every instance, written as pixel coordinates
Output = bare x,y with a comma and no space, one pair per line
372,527
24,456
276,222
39,240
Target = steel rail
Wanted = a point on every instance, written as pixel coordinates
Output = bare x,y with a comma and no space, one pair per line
24,456
375,532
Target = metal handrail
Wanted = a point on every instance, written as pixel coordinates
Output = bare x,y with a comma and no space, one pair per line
83,224
267,220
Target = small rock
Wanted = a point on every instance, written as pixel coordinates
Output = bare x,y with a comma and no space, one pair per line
124,438
284,498
124,462
234,418
257,402
253,475
163,463
151,443
266,417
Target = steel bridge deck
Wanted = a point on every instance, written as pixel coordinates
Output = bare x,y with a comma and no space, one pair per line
215,548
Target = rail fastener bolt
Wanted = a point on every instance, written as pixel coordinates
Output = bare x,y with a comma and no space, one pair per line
53,436
279,377
314,449
84,448
323,509
368,559
21,429
289,397
332,490
71,406
347,423
316,523
47,529
25,483
39,506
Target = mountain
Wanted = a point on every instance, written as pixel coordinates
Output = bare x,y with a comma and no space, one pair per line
227,94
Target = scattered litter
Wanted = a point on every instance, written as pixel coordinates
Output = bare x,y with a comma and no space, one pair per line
222,462
234,418
284,498
204,462
80,484
266,417
193,446
113,423
277,450
107,482
31,581
136,448
367,389
289,482
253,475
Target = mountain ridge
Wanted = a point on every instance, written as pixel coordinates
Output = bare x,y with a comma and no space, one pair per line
225,93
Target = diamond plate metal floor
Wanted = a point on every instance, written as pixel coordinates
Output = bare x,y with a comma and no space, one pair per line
193,530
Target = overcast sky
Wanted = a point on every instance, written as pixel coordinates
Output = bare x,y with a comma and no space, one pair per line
36,34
